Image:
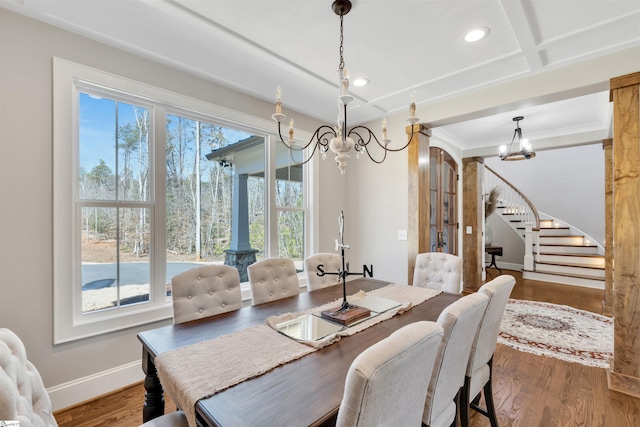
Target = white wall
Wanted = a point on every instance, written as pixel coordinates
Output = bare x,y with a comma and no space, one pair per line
374,197
567,184
26,257
377,194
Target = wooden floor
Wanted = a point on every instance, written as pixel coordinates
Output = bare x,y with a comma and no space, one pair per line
529,390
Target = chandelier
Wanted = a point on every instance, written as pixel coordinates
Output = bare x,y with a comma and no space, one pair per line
526,150
340,139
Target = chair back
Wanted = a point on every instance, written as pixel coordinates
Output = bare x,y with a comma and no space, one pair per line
330,262
460,322
205,291
384,386
23,396
272,279
438,270
498,290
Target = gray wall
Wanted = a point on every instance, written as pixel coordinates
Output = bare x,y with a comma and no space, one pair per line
26,257
374,197
567,184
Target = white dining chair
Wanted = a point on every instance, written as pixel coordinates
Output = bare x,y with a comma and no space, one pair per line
172,419
23,397
272,279
438,270
382,388
205,291
330,262
460,322
480,365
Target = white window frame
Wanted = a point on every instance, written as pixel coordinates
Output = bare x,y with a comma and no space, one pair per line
69,323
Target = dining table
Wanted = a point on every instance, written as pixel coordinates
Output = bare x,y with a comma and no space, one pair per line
303,392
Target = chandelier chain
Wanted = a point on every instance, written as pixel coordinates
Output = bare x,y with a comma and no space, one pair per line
341,64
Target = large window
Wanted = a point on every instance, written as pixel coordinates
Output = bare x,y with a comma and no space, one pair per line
149,183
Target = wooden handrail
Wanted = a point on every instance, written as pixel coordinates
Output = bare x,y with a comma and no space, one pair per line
536,226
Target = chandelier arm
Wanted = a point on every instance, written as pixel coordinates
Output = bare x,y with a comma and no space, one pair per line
319,138
384,156
373,135
359,141
515,132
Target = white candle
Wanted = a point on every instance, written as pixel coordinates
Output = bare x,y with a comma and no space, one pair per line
344,83
291,130
412,107
279,100
384,128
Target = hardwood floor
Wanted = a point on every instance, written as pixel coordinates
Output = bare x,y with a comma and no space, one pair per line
529,390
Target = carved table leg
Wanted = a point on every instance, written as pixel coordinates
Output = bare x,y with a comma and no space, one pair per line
153,397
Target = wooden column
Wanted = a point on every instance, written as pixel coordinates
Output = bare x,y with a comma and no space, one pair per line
419,195
472,207
624,371
607,302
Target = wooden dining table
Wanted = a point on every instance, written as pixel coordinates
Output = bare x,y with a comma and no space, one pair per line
305,392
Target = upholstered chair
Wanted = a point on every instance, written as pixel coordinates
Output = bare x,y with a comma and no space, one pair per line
438,270
382,386
172,419
330,262
205,291
272,279
460,322
480,366
23,396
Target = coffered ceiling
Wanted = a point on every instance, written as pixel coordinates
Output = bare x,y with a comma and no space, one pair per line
399,45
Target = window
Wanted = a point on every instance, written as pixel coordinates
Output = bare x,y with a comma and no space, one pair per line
149,183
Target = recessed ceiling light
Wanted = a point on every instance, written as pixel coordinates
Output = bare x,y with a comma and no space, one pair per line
476,34
361,81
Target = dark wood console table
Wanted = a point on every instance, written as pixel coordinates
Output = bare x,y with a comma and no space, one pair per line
493,251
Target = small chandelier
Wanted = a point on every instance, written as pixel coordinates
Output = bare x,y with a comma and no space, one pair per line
340,139
526,150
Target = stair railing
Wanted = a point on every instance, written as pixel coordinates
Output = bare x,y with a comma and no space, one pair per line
517,205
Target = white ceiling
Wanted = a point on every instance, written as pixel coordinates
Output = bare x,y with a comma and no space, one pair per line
400,45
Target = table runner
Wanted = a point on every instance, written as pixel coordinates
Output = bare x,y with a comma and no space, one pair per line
191,373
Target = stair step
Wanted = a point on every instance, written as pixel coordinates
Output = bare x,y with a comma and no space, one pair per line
568,249
563,239
567,279
577,270
591,260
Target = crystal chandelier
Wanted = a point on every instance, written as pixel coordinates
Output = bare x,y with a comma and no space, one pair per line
526,150
340,139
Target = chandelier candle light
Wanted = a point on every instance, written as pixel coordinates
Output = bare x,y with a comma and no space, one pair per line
526,150
340,139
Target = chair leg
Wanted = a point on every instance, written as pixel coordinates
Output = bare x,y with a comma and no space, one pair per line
488,397
464,403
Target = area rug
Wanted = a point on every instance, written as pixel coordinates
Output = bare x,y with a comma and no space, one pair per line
558,331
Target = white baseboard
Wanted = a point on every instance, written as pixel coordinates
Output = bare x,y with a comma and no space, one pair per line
89,387
507,266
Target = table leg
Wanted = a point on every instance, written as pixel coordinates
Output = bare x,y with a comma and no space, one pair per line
493,263
153,397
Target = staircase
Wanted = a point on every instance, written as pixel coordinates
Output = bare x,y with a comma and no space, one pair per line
554,251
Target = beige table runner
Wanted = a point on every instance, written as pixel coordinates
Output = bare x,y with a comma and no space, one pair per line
198,371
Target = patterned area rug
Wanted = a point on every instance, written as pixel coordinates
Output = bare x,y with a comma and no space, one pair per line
558,331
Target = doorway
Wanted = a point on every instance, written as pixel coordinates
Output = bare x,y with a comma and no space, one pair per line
443,204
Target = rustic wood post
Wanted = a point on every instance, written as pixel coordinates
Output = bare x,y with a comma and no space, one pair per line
419,195
607,302
624,371
472,213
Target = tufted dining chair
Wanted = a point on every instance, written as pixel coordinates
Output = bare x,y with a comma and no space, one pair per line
330,262
205,291
438,270
23,396
272,279
460,322
382,388
480,365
